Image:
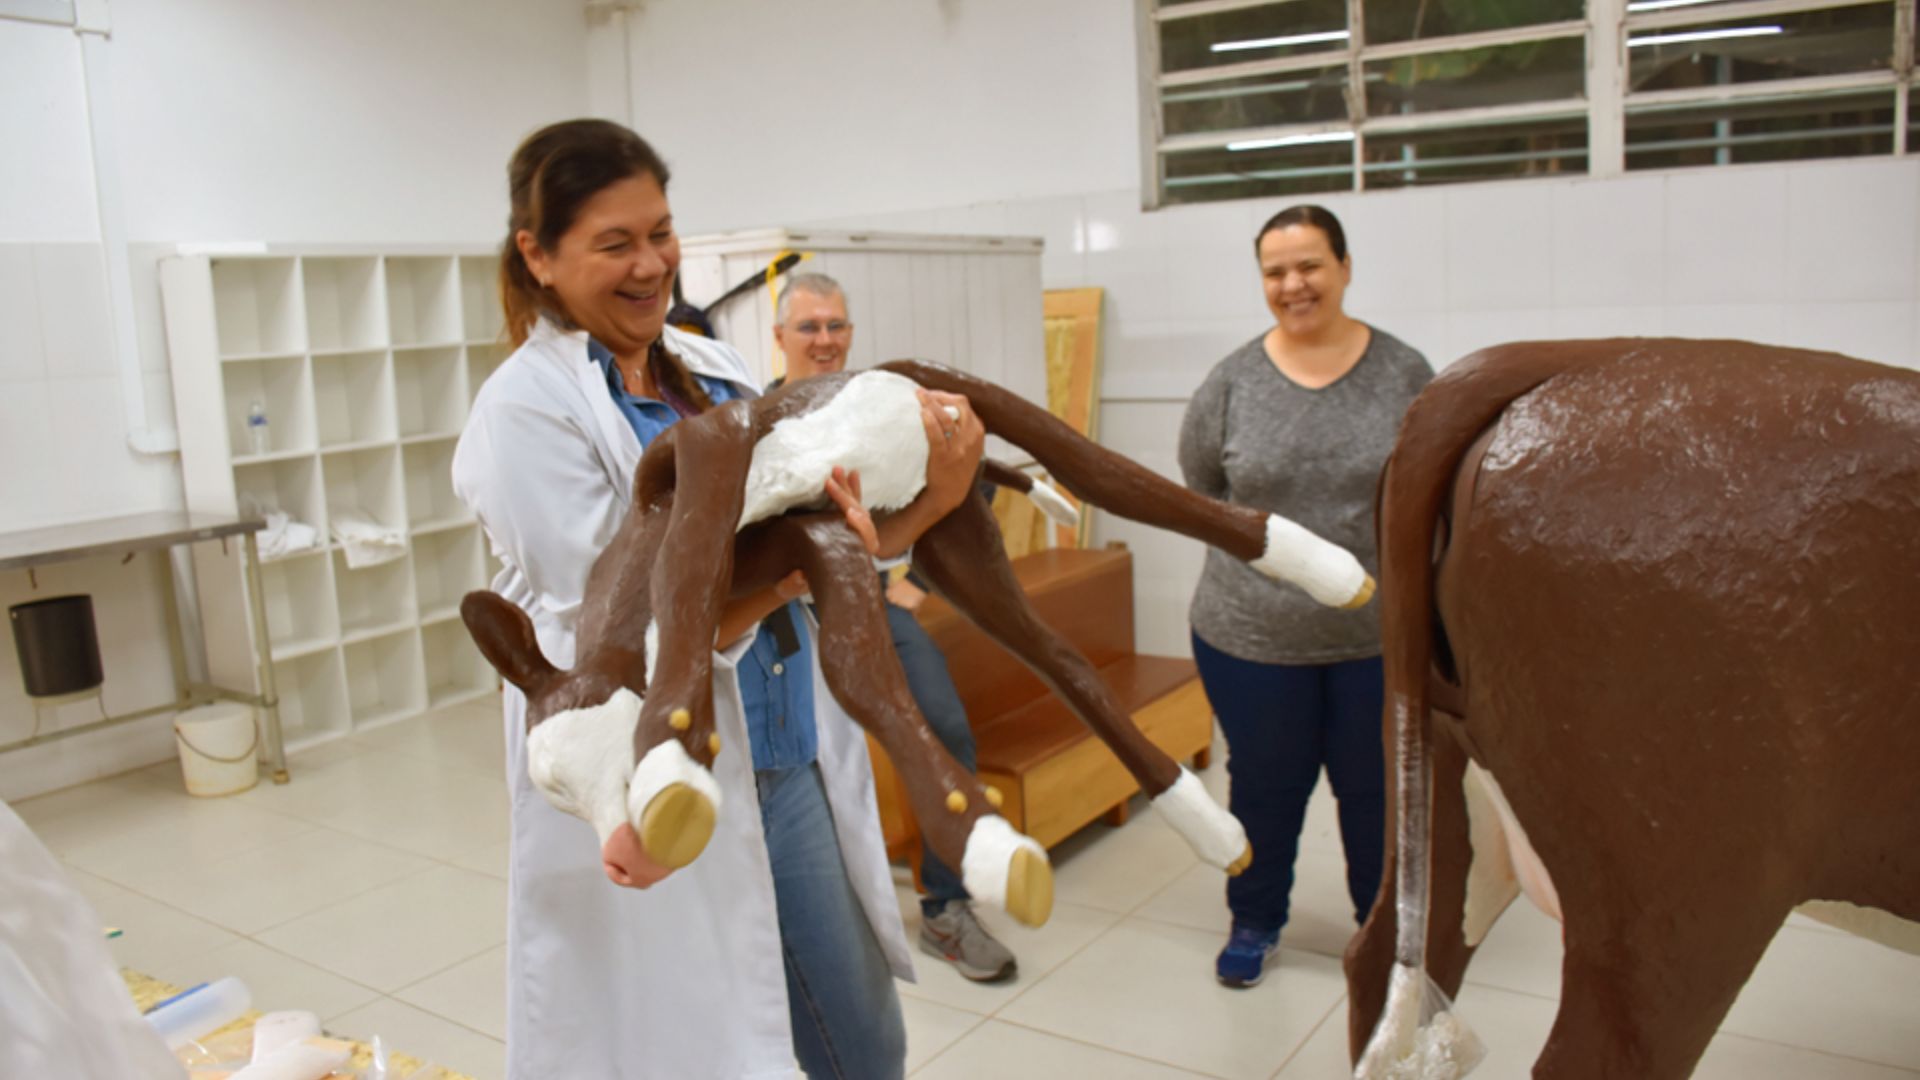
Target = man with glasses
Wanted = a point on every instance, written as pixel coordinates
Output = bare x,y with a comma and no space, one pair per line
813,331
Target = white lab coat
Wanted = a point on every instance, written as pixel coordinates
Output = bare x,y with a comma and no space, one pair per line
64,1010
683,980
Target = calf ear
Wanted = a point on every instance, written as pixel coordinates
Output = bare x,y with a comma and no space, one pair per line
505,636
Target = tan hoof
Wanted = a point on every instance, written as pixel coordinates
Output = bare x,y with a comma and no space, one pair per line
1029,888
1245,860
676,825
1360,598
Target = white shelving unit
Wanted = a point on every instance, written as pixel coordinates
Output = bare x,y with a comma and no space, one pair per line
366,364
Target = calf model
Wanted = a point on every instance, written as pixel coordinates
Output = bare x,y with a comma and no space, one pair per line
626,736
1672,625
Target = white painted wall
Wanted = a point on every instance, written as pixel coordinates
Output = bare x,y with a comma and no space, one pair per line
1820,254
298,121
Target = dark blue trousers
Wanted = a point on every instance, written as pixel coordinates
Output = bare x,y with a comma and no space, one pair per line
1283,723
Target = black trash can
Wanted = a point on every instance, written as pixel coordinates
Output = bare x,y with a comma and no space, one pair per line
59,651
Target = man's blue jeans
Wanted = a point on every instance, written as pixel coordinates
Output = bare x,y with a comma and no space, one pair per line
846,1015
939,702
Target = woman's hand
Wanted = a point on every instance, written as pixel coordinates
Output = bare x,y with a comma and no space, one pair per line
627,863
954,445
843,487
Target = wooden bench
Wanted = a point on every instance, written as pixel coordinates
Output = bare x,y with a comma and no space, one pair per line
1055,775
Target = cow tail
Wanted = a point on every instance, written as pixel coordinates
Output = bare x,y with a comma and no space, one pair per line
1439,428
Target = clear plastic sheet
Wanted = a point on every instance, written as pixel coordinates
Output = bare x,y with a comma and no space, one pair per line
1419,1037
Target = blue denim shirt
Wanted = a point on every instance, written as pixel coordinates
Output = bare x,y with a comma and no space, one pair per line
776,686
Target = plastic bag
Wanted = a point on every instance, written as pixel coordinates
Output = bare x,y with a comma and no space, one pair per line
1419,1037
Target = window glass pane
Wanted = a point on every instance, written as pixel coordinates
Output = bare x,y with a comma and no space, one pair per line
1470,78
1731,134
1256,101
1410,20
1208,175
1264,33
1757,49
1488,152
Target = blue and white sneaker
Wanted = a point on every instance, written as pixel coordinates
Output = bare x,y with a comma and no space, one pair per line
1244,961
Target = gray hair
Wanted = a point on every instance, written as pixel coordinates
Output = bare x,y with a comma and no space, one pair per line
812,284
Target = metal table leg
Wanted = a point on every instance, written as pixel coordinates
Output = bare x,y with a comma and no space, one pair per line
276,746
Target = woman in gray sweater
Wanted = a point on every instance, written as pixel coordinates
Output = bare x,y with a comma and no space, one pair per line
1299,422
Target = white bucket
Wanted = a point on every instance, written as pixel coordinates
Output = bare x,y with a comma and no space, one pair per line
219,748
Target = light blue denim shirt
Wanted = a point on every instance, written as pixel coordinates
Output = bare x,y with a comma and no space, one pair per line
776,685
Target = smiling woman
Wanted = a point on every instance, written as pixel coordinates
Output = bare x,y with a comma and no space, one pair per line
1297,422
783,941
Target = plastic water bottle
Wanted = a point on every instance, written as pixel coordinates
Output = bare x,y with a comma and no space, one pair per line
199,1012
257,435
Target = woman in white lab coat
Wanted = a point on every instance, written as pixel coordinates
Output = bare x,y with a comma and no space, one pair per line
690,977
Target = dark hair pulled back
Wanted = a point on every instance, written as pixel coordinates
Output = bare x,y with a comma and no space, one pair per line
1318,217
553,173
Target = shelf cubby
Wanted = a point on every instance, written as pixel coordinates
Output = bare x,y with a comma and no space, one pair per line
422,381
257,306
291,486
482,361
313,697
480,298
353,398
280,385
343,304
447,565
423,301
365,484
430,498
373,599
385,679
299,603
454,667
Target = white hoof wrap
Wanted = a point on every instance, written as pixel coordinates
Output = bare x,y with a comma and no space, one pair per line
989,855
1209,829
1053,504
1328,573
580,760
666,765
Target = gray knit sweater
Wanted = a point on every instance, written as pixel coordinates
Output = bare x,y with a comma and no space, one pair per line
1254,437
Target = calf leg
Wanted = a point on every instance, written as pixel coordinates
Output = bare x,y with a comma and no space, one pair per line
673,798
1275,546
864,673
963,557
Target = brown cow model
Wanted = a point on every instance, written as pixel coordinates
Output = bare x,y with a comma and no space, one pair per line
1673,621
646,632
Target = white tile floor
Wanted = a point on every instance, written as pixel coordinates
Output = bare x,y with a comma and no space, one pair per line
371,890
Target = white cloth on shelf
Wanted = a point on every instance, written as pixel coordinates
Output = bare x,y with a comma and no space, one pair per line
283,535
366,542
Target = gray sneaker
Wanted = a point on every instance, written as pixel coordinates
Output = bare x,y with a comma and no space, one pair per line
957,937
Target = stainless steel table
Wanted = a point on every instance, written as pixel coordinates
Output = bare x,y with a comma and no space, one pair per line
159,532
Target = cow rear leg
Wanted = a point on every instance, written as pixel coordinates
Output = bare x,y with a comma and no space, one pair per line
998,865
963,557
1648,979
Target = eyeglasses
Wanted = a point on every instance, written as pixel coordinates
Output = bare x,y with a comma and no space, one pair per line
836,328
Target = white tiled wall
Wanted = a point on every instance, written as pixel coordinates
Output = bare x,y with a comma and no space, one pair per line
1823,255
64,458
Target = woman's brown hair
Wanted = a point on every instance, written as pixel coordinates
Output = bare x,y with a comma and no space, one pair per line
552,175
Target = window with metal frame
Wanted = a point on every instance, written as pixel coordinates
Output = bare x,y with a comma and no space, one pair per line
1247,98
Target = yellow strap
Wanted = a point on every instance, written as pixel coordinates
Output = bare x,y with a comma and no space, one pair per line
773,304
